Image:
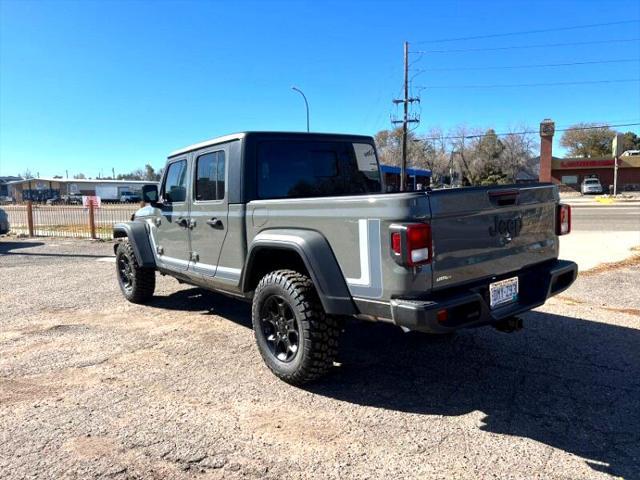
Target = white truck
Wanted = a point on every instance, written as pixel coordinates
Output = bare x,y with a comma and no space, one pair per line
108,193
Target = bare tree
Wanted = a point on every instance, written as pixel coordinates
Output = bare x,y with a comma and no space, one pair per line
588,140
518,153
463,155
389,145
436,156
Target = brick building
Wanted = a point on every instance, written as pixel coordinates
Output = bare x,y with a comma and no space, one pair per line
570,172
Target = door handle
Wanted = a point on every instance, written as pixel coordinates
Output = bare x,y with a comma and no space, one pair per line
215,222
183,222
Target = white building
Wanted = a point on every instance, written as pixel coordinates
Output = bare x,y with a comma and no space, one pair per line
43,189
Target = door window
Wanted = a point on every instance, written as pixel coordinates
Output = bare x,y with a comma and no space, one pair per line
210,176
175,184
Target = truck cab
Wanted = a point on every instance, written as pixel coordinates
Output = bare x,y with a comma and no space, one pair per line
302,226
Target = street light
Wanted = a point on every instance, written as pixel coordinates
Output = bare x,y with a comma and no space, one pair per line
305,103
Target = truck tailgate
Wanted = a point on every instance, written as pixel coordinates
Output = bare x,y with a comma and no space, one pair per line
483,232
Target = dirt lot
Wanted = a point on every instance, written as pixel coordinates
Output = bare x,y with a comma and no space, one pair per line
94,387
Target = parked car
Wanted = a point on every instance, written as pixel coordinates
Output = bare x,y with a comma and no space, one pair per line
71,199
4,222
590,185
129,197
300,225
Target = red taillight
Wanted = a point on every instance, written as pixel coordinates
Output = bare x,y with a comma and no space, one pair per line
418,243
396,243
411,244
563,219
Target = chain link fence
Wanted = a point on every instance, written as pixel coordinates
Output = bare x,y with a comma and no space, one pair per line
73,221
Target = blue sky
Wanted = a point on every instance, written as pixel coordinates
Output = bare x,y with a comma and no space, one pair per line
94,85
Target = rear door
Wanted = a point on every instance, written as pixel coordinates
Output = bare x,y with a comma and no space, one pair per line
209,208
484,232
169,233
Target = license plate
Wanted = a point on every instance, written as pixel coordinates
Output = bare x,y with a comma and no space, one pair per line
504,291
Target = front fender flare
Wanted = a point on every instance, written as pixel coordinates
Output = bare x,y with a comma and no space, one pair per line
317,255
138,235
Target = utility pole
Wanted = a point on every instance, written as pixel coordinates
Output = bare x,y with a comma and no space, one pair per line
405,118
616,149
615,175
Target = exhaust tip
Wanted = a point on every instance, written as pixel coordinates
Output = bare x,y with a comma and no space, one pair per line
509,325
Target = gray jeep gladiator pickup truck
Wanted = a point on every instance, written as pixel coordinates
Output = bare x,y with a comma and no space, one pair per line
300,225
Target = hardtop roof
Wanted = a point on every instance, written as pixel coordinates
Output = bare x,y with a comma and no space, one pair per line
240,135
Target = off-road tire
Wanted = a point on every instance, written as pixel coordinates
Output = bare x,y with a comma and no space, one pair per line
141,281
318,332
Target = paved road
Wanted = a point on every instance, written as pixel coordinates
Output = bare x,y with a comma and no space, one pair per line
618,217
94,387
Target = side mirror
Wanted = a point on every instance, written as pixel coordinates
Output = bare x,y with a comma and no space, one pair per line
150,194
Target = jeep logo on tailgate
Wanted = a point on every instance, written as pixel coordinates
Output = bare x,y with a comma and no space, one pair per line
503,227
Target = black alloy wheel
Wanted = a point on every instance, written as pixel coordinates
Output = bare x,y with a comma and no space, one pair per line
126,272
136,283
280,328
297,340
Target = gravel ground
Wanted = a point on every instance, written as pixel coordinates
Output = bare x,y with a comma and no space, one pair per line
94,387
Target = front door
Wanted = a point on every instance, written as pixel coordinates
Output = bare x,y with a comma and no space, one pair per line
170,234
209,209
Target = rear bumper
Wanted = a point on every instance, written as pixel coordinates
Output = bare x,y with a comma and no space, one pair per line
469,307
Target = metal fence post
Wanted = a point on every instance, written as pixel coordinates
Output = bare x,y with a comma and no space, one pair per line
30,217
92,220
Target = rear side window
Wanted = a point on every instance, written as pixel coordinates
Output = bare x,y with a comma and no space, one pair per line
210,176
289,169
175,184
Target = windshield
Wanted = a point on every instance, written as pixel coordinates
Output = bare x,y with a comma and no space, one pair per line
592,181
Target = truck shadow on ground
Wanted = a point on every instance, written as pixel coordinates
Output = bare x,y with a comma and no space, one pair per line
569,383
566,382
205,302
7,246
10,248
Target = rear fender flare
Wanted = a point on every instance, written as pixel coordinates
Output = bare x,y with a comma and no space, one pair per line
138,235
317,256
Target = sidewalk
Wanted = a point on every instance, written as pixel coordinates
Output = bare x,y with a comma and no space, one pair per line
590,249
599,200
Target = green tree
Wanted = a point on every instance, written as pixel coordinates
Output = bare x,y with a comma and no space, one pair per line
480,156
488,150
588,140
150,173
79,176
631,141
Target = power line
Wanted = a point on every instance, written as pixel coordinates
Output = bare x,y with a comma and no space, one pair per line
549,84
518,47
540,65
526,32
464,137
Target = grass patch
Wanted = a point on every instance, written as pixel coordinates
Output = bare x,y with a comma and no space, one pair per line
632,261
